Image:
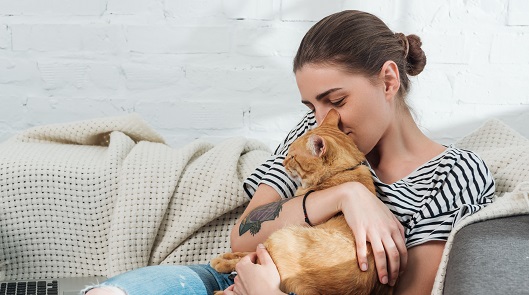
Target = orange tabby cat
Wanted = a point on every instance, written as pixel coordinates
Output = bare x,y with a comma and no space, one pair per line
320,259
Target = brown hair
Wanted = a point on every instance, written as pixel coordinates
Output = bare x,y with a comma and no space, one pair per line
361,43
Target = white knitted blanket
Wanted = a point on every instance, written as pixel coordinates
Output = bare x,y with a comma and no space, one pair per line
507,154
104,196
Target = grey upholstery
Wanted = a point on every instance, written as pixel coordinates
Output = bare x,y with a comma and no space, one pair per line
490,257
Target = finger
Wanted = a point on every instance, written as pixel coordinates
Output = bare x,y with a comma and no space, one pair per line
393,260
361,250
250,258
263,255
230,290
380,260
399,240
403,252
401,228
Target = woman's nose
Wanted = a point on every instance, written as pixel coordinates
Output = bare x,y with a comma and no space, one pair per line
320,113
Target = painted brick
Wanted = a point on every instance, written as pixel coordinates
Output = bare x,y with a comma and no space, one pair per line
433,85
249,9
247,80
133,7
144,77
17,71
411,16
192,115
78,78
463,119
482,13
308,10
269,41
493,85
478,45
510,48
66,37
383,9
53,7
5,37
445,48
11,111
47,110
165,39
517,14
104,76
212,69
275,117
60,75
202,9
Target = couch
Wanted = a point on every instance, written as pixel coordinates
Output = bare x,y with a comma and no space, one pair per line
104,196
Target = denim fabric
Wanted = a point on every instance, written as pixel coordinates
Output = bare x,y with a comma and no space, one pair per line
170,280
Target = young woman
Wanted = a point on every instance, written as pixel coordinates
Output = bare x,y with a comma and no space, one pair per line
352,62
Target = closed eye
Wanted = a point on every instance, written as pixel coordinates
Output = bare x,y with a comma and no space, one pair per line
339,102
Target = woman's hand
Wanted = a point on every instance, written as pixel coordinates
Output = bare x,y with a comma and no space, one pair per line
371,221
254,279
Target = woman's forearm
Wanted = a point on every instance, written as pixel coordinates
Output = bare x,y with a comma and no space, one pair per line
267,213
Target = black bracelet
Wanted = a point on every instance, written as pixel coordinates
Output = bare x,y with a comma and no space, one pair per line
292,293
305,207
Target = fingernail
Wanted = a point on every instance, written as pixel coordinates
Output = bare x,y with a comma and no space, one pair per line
392,283
384,280
261,246
363,267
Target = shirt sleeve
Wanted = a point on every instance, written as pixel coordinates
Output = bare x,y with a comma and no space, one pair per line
467,188
272,171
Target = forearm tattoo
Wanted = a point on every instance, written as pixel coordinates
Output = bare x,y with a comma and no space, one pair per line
252,222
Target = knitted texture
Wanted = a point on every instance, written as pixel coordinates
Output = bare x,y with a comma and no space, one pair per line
104,196
506,152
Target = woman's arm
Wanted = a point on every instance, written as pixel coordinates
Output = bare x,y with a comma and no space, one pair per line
267,212
423,262
370,220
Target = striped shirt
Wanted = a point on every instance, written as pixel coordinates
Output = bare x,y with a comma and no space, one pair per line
428,202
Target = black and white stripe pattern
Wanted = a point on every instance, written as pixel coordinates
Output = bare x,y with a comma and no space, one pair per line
428,202
433,198
272,171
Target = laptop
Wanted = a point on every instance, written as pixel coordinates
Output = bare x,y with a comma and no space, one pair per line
62,286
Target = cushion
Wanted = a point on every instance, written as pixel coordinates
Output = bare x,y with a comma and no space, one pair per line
505,151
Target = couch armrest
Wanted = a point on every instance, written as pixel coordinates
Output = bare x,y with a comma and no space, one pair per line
490,257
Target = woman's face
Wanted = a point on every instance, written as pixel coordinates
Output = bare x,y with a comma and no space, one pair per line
364,107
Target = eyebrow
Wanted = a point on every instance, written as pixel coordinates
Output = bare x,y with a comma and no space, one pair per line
323,94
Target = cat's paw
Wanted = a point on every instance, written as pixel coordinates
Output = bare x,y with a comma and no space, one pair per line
218,293
226,262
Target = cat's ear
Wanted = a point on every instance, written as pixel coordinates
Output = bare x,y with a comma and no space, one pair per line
332,118
316,145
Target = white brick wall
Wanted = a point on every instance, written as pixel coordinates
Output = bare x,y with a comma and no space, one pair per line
222,68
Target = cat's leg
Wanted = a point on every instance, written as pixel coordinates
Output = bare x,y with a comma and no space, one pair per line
226,262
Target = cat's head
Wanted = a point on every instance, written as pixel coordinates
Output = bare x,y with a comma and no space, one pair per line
322,152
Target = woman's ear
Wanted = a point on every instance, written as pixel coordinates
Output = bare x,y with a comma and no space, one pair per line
390,75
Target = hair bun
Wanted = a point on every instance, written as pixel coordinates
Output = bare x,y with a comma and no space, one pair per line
416,58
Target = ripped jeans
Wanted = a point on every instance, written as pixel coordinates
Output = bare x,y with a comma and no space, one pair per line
169,279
